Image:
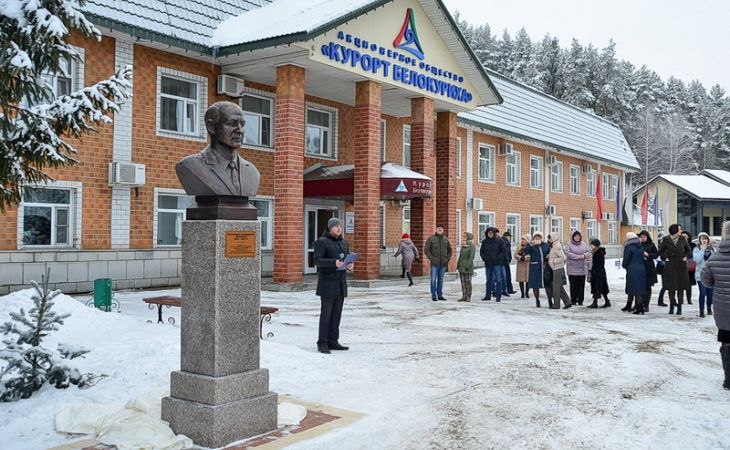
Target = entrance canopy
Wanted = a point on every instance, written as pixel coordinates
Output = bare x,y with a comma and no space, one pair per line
396,182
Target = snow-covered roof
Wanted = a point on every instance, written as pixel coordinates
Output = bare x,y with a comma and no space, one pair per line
700,186
531,115
387,170
391,170
723,176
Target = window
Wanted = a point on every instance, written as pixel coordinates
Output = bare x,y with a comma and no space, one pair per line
47,217
458,227
556,227
407,220
513,226
458,157
170,215
513,169
574,225
382,224
407,146
265,215
535,225
319,133
615,186
611,232
60,83
257,111
591,228
178,105
383,140
574,180
486,220
486,162
591,183
556,177
535,172
606,186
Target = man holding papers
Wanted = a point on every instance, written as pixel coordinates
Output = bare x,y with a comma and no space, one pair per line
330,252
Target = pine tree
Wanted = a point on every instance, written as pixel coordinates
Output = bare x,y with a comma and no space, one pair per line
576,74
521,56
33,126
29,364
549,67
504,63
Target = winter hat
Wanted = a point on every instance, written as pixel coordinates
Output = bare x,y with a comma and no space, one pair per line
537,233
526,237
632,235
506,234
703,234
333,222
596,243
578,233
726,231
673,228
405,236
469,236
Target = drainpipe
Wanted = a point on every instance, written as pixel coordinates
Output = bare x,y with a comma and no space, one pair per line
547,225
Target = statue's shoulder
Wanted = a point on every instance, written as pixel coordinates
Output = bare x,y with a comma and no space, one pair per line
195,159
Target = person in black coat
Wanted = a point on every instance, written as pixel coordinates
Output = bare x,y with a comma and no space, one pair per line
493,251
597,275
691,264
650,254
329,252
675,251
633,262
508,288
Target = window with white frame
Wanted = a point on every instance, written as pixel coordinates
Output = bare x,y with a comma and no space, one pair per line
407,146
383,140
179,99
556,227
556,177
535,225
458,227
591,183
513,168
407,219
170,216
536,172
47,217
606,186
513,226
258,112
574,225
615,186
486,220
382,224
60,83
611,232
265,215
458,157
486,162
574,180
591,229
318,139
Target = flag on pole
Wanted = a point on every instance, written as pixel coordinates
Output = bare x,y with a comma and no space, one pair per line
630,203
666,211
645,206
619,204
599,198
656,207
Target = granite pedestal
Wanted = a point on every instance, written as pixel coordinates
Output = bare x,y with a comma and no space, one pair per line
220,395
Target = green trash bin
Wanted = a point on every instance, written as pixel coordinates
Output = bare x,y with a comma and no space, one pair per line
103,294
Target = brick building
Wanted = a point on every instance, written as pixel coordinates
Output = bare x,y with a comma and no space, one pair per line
374,111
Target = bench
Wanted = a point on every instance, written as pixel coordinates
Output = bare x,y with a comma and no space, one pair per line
169,301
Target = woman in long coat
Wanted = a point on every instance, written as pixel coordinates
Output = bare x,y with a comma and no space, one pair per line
465,266
691,267
523,266
410,253
674,250
650,254
538,252
576,267
598,278
633,262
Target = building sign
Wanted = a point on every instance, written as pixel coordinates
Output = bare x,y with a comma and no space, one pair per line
240,244
416,58
405,188
349,222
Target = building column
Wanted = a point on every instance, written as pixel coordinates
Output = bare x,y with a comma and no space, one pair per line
122,152
446,199
367,179
289,175
423,160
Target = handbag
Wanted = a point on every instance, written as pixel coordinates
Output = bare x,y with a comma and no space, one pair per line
691,265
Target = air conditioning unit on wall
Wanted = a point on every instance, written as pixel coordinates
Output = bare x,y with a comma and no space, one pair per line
587,215
607,216
551,160
230,86
505,149
476,204
124,173
587,168
550,210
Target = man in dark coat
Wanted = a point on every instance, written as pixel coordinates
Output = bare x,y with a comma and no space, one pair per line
538,252
493,252
650,254
716,274
329,252
597,275
438,251
674,250
633,262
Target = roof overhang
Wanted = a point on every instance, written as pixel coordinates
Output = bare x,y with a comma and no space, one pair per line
396,182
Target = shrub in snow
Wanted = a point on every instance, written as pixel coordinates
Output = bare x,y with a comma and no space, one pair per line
29,364
33,49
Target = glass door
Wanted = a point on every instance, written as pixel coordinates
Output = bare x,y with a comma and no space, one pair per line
315,222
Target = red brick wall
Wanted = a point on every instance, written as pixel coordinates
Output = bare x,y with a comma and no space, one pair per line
423,160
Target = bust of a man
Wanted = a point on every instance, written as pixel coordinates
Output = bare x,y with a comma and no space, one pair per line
218,170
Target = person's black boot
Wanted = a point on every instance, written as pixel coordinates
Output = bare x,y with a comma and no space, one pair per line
725,353
679,309
702,313
410,279
672,303
628,305
336,346
537,303
606,304
323,348
594,304
639,309
709,310
403,273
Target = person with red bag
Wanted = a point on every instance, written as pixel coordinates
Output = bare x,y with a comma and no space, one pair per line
691,266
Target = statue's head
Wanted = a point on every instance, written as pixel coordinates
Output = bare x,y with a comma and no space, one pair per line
224,122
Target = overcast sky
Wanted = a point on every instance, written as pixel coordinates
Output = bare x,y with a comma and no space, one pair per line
689,39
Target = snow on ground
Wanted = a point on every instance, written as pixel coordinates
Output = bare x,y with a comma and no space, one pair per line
440,375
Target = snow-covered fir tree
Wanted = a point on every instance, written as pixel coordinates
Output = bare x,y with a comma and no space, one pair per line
35,120
29,365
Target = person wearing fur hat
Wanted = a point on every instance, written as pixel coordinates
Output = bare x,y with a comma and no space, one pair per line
674,250
409,253
465,266
701,253
633,262
522,274
715,274
537,251
597,275
329,252
579,255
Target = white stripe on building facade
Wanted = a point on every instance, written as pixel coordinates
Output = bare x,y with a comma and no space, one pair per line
122,152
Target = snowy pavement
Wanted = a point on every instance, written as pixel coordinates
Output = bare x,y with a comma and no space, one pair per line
440,375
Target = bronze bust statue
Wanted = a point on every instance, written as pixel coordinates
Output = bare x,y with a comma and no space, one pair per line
218,177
